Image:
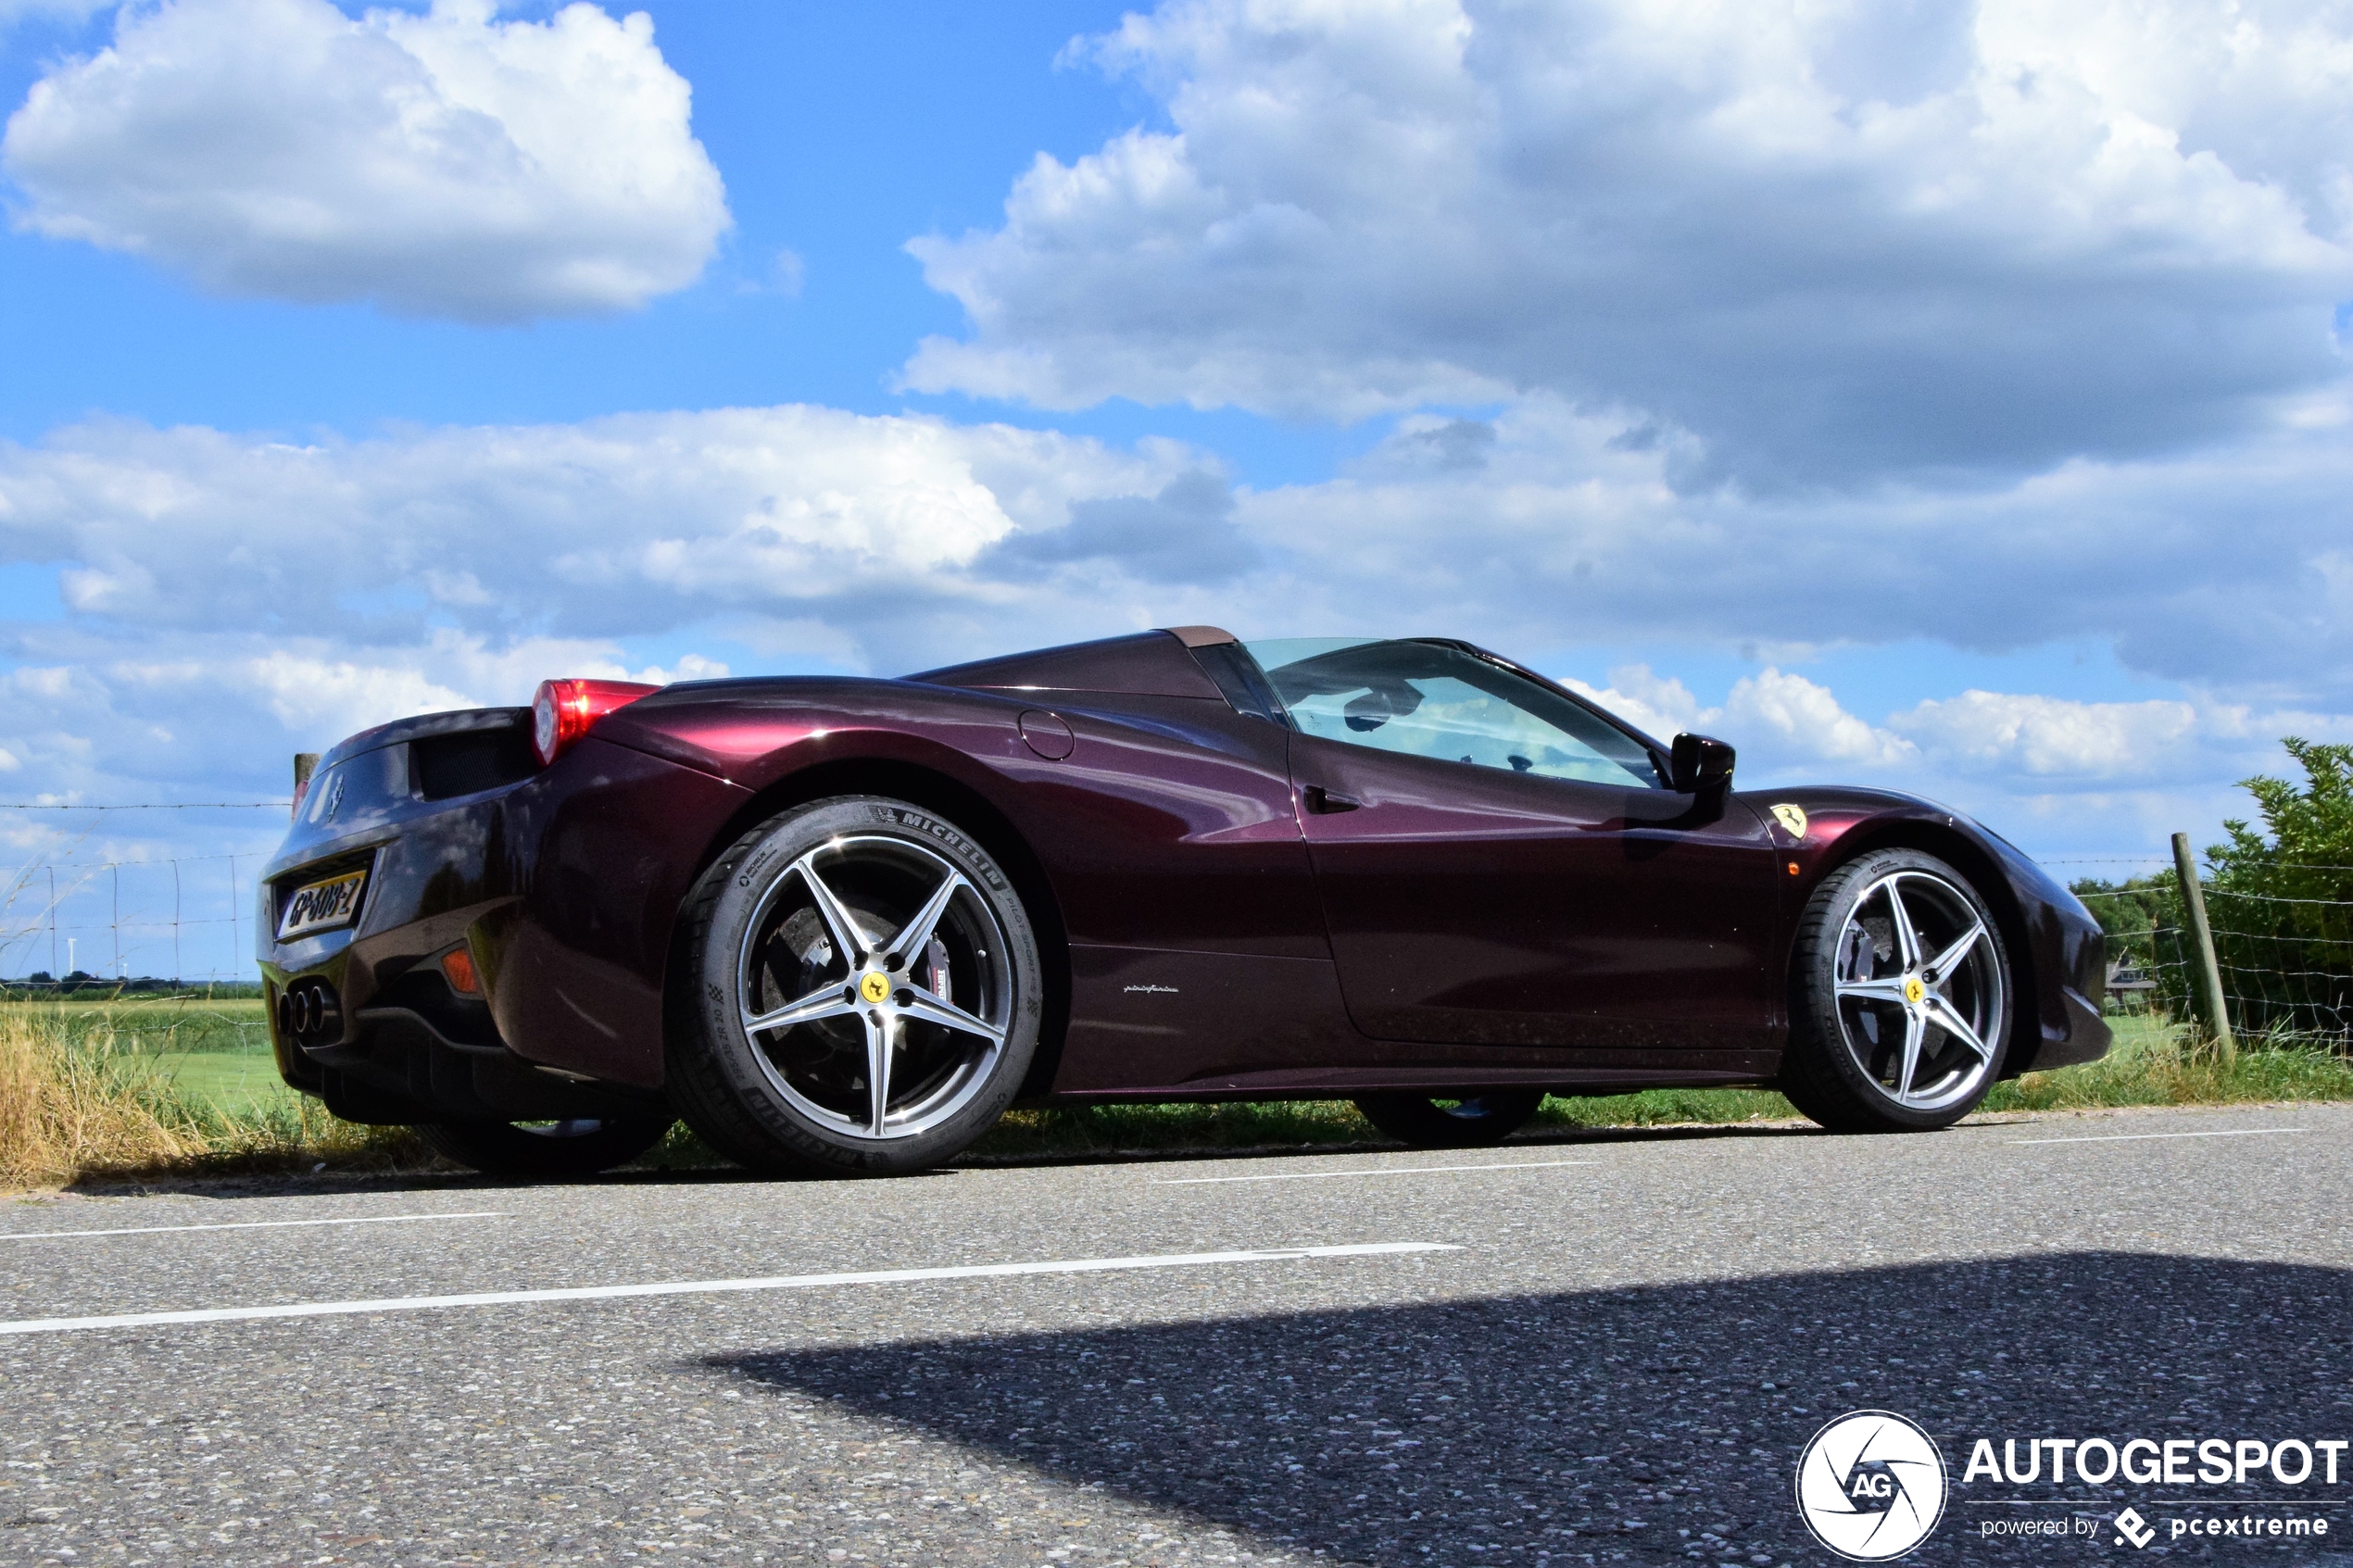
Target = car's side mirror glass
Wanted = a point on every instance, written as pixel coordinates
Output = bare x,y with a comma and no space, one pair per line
1699,762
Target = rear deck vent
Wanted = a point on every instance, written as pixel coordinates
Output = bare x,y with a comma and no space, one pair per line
472,761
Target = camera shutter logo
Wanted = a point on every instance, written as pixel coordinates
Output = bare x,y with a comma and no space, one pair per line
1871,1485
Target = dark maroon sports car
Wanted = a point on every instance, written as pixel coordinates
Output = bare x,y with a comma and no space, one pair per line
838,925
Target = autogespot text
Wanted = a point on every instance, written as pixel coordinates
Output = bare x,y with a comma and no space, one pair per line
2148,1462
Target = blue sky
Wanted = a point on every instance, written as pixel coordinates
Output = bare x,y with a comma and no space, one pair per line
842,130
1950,400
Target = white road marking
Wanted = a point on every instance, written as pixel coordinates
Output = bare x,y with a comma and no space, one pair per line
2137,1138
248,1225
712,1287
1385,1170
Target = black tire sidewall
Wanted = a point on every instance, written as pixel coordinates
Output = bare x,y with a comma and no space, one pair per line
1418,1121
763,857
1828,1085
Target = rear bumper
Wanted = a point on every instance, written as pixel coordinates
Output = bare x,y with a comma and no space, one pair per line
395,1068
563,890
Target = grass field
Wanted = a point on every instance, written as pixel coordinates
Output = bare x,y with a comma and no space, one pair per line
188,1021
90,1088
214,1050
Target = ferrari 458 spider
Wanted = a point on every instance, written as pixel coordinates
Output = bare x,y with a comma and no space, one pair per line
838,925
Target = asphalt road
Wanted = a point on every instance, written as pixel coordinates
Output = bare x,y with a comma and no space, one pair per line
1617,1355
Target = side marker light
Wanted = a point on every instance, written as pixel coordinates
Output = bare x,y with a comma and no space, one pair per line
457,968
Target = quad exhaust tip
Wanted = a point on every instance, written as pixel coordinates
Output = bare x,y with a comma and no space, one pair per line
311,1014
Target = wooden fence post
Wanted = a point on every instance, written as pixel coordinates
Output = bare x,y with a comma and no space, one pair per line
306,764
2205,980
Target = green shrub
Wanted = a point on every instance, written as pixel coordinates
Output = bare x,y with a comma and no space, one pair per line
2280,901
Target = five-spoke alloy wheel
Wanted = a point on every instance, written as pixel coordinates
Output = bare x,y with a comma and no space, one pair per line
1901,996
867,993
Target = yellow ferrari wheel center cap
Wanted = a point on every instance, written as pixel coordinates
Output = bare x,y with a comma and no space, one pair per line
875,986
1914,990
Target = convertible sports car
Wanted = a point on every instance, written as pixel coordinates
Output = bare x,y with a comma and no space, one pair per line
838,925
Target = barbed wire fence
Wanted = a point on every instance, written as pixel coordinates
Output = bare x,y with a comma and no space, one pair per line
181,926
126,945
166,928
2280,971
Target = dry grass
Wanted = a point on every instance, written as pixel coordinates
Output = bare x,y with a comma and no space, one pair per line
82,1098
76,1102
62,1109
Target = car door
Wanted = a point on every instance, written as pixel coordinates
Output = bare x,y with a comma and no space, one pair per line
1499,865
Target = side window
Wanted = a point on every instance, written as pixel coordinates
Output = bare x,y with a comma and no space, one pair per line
1426,701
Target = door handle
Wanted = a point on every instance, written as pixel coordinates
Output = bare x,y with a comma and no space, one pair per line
1323,802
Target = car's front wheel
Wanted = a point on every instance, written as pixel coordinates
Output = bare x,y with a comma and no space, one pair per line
1900,997
867,993
581,1147
1426,1122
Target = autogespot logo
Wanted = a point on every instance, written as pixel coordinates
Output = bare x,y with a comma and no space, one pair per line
1870,1485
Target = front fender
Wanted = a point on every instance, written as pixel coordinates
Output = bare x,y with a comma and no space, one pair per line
2058,950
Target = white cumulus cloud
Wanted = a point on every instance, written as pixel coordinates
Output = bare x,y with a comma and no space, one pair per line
1814,242
1661,705
314,687
2050,738
629,525
1544,526
1791,713
448,164
2063,773
1776,720
231,597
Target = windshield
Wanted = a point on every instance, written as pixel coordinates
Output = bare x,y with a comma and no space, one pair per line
1429,699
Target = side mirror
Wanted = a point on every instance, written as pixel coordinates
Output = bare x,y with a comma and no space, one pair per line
1697,763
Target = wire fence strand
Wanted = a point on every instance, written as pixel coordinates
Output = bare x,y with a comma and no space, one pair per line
132,923
181,928
2286,964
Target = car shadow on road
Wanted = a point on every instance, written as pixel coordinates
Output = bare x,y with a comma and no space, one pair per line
1643,1424
287,1184
332,1184
1544,1139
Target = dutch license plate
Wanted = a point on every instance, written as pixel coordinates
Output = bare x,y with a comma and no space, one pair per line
322,906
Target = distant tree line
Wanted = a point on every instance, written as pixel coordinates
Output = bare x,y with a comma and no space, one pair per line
80,983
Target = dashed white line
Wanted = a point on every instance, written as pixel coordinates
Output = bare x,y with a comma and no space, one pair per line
2137,1137
1384,1171
248,1225
712,1287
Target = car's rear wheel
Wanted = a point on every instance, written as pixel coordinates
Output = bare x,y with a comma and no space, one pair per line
1426,1122
866,998
1900,997
580,1146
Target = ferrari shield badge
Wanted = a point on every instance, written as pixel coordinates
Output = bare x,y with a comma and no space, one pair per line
1791,818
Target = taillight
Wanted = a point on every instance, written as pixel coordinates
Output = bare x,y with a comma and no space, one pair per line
562,710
